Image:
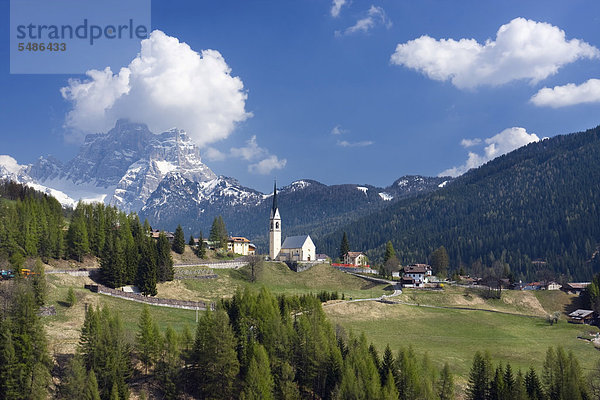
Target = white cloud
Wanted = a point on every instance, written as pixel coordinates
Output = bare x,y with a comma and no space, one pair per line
345,143
253,152
264,167
470,142
337,130
568,95
249,152
523,49
502,143
167,84
375,16
336,7
213,154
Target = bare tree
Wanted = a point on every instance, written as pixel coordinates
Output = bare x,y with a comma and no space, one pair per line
254,262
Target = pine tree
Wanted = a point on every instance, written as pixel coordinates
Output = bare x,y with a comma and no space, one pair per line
389,391
201,251
446,384
146,277
218,233
259,381
74,382
192,242
214,357
146,339
38,283
179,240
389,252
77,235
164,261
440,262
168,364
8,362
479,378
71,299
91,391
344,247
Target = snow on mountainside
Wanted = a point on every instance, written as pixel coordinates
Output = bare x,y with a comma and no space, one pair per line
122,167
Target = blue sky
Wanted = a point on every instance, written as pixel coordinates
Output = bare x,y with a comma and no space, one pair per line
324,98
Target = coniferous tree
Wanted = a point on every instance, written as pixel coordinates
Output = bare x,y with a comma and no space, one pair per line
179,240
192,242
38,283
218,233
344,247
440,262
169,364
91,391
479,378
71,299
164,260
146,277
77,235
214,358
389,252
8,362
259,381
389,390
147,342
201,250
74,382
446,384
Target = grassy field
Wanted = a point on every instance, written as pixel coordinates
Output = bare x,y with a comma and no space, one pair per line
64,328
454,336
278,278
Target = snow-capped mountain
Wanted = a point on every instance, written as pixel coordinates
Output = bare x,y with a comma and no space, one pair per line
162,177
122,167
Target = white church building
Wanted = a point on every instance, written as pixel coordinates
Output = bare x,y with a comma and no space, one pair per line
295,248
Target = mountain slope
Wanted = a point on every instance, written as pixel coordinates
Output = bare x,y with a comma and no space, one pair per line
540,202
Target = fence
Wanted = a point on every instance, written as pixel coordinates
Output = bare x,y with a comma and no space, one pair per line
184,304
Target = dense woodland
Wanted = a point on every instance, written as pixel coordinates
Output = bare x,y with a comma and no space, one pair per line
540,202
33,224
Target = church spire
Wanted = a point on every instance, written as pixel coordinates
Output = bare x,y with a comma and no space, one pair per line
274,198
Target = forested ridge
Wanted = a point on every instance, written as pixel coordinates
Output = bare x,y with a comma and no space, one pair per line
33,224
539,202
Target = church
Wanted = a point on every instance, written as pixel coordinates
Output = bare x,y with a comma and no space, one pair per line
294,248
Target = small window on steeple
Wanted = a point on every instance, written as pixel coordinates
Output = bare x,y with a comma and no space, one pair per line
276,225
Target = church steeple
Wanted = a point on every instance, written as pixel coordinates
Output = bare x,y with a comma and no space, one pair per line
274,199
274,228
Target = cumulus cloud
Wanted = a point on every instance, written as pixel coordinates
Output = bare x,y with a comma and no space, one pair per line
523,49
568,95
502,143
470,142
264,167
375,16
336,7
345,143
213,154
266,162
167,84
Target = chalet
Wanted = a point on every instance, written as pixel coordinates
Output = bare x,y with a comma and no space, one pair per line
251,249
416,275
238,245
155,233
574,287
297,248
356,258
582,317
322,257
552,286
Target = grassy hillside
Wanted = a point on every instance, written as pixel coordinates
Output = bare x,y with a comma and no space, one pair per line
278,278
454,336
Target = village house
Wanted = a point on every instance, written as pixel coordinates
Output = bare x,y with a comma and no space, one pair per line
356,258
582,317
542,286
155,233
238,245
574,287
416,275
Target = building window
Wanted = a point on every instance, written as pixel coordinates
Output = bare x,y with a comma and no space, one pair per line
276,225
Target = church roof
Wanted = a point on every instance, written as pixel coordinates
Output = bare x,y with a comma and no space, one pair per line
295,242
